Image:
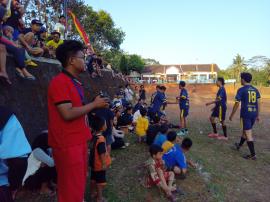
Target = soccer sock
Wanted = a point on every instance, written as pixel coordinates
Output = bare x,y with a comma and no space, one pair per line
242,141
251,147
214,128
224,130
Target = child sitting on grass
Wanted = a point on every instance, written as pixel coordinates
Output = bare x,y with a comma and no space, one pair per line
175,158
171,140
157,174
162,135
99,160
142,126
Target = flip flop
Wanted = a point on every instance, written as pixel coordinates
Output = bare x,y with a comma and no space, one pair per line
5,80
19,74
178,191
30,78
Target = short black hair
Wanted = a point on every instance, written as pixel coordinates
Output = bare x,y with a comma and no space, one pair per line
156,119
186,143
182,83
171,136
221,79
143,111
162,88
97,123
68,49
158,86
62,16
154,149
246,76
129,108
164,128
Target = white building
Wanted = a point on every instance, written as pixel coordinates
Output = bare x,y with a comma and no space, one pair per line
194,73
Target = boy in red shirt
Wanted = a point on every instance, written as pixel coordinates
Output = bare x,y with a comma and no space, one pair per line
68,127
100,159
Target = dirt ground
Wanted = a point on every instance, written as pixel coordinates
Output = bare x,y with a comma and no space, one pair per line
222,175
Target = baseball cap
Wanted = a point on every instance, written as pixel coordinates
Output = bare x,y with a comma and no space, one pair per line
36,22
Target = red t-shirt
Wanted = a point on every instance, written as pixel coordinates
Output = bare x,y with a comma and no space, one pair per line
62,134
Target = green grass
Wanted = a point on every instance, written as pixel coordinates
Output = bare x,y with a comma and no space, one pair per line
224,174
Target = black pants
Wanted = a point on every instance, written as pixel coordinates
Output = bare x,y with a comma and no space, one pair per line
5,194
118,143
44,174
16,171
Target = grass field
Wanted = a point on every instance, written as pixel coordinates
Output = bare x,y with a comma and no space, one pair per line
222,175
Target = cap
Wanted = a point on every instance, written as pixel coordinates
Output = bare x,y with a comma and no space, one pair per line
36,22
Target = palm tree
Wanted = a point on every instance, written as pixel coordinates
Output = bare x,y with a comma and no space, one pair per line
238,66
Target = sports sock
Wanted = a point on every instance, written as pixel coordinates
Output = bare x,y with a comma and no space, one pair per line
251,147
242,141
214,128
224,130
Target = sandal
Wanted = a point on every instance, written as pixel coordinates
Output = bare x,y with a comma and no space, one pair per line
19,74
30,78
5,80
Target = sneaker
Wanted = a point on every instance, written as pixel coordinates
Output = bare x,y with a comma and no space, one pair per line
250,157
127,144
213,135
186,131
222,138
181,133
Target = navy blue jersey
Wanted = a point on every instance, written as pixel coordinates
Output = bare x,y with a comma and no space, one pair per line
184,99
158,101
248,96
221,97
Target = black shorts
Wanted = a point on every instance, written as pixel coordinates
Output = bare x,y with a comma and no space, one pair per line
220,113
99,176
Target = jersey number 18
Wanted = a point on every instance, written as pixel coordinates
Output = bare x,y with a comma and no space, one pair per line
252,97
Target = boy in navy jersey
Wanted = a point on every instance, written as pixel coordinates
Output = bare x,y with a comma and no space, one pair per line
219,111
249,97
184,107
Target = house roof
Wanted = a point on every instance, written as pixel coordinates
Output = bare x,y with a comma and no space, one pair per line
155,69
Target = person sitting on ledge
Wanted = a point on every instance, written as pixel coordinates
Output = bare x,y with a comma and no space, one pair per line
29,38
54,43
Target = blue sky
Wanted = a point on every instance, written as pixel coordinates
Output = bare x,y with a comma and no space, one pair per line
192,31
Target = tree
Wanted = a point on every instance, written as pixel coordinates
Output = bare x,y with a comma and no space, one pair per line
149,61
238,66
135,63
124,65
99,25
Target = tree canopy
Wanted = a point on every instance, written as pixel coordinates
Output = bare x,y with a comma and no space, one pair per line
258,66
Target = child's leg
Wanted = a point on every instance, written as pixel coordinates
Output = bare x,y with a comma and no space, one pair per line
224,128
213,123
100,188
93,190
171,180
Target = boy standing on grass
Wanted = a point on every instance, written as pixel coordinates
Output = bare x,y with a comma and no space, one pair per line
157,174
219,111
142,126
99,160
184,107
249,97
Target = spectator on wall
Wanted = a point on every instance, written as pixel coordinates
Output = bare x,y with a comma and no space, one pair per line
54,43
29,38
60,27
